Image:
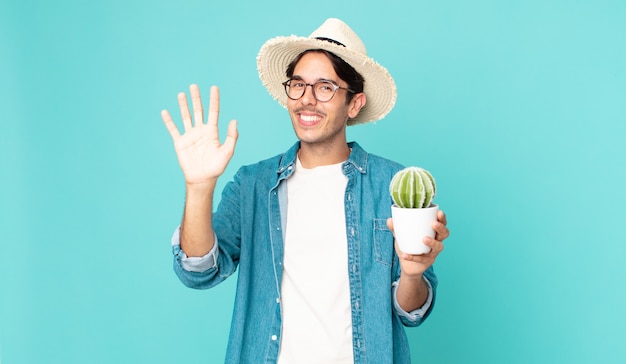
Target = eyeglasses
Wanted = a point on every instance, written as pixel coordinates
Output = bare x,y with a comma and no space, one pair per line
323,91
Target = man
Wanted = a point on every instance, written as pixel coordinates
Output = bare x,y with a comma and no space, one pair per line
309,230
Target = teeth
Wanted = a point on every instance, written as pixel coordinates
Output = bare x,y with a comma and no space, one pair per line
309,118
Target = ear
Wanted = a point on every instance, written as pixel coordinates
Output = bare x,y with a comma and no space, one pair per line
356,104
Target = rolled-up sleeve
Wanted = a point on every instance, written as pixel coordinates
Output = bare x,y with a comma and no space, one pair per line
416,316
194,264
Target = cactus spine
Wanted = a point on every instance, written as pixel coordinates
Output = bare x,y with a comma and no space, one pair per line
412,187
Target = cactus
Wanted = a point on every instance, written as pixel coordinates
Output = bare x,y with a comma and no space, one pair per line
412,187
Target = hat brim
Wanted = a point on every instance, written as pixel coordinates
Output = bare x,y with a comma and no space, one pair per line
379,87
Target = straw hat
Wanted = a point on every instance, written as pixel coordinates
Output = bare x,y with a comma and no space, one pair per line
334,36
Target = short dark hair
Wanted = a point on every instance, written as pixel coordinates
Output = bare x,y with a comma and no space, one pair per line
342,68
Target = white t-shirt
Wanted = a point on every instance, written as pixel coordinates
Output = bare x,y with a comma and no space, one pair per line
315,303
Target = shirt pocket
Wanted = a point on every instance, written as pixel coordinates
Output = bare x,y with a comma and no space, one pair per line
383,242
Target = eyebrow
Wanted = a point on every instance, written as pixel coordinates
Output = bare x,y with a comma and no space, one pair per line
299,78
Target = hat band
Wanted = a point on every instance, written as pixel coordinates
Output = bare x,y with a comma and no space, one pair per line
331,41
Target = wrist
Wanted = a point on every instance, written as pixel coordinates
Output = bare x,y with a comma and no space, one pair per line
412,278
201,187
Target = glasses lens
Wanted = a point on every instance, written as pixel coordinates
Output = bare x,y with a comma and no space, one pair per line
324,91
295,89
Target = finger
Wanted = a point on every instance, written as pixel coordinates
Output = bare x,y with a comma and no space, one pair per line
169,124
426,258
231,137
196,103
184,110
441,217
419,258
441,231
214,105
436,246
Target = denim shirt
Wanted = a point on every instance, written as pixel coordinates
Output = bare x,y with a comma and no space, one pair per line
249,224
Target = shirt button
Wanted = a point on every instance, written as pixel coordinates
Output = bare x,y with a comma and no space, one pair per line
274,337
278,300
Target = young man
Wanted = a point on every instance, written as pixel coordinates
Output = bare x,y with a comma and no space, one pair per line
309,230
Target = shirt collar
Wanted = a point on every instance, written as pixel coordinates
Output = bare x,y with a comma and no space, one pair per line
357,158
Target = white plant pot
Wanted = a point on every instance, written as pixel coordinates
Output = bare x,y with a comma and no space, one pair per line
410,226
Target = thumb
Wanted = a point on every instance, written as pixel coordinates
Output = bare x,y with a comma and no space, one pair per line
390,224
232,136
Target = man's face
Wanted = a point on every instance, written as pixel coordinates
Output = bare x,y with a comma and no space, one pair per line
318,122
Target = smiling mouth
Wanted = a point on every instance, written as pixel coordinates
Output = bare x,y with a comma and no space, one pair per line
309,119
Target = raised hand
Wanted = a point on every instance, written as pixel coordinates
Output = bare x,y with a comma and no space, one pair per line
201,155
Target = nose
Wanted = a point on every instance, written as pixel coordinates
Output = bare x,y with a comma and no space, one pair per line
308,98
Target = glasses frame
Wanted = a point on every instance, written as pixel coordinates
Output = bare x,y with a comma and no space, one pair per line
335,88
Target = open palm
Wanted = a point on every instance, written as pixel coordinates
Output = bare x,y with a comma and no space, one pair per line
201,155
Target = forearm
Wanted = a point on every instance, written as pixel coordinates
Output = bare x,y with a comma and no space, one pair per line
196,231
412,292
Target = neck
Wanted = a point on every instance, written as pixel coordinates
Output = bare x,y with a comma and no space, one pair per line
312,156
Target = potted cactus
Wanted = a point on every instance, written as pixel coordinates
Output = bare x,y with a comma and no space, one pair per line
412,191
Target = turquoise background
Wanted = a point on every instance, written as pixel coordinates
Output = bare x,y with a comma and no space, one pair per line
518,108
